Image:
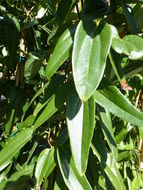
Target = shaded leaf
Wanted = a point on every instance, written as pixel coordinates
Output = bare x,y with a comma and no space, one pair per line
14,145
107,165
71,177
11,182
32,65
56,101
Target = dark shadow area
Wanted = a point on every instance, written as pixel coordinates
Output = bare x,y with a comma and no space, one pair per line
100,147
106,130
73,105
91,27
65,157
23,183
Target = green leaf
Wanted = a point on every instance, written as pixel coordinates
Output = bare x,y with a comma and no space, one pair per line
32,65
90,50
29,121
8,125
107,165
54,84
11,19
61,52
130,45
56,101
129,18
106,125
80,120
109,97
116,64
11,182
14,145
63,13
59,182
45,164
12,30
123,133
70,175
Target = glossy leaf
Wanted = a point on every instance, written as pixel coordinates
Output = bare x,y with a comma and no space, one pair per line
130,45
61,52
71,177
90,50
109,97
14,145
80,120
45,164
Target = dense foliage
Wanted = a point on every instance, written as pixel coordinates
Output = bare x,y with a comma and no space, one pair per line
71,97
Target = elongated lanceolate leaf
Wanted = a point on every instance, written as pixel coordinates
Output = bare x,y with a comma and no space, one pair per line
90,50
80,119
14,145
109,97
130,45
110,168
106,125
45,165
61,52
70,175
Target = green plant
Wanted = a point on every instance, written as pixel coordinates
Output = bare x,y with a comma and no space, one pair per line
71,97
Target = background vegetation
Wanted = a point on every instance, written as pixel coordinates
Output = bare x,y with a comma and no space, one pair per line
71,96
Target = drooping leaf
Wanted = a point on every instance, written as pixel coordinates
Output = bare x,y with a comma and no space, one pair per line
80,120
109,97
45,164
14,145
70,175
90,50
61,52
